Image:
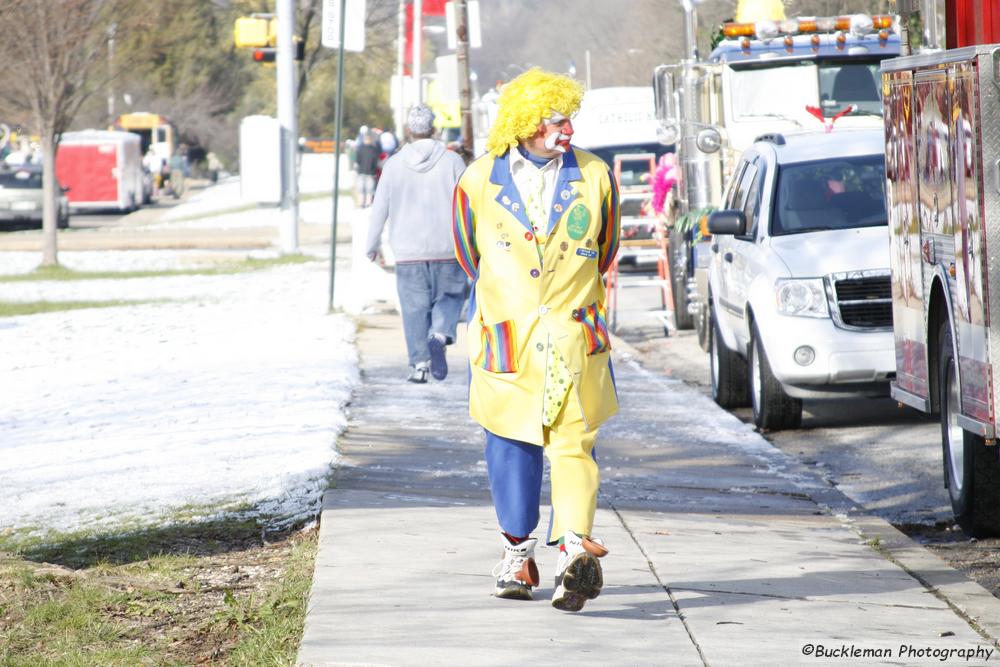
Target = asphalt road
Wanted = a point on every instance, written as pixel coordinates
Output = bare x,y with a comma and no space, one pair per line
885,457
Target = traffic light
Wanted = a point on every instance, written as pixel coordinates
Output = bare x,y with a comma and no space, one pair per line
253,31
264,55
300,48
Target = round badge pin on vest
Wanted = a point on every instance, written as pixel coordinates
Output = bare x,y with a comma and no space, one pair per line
579,221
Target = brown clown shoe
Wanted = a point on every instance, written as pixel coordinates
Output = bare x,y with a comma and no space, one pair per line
578,573
517,573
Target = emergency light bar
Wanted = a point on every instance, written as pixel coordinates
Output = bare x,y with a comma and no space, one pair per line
858,24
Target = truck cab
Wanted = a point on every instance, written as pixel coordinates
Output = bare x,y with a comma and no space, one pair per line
768,76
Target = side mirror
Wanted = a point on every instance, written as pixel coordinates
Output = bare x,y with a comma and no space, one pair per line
733,223
63,189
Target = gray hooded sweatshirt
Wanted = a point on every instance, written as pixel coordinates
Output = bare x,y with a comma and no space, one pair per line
414,194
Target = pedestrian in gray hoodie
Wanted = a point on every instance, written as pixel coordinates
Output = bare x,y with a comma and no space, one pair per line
414,195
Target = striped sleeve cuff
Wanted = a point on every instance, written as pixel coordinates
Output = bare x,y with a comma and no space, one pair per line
611,226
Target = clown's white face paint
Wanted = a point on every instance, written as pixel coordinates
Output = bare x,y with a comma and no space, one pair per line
553,137
557,141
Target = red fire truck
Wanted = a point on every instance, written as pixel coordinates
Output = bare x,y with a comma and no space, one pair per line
102,169
942,128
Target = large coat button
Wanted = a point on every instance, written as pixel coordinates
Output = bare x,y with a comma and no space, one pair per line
528,236
576,315
535,273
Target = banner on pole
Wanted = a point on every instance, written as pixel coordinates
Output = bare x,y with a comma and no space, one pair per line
354,25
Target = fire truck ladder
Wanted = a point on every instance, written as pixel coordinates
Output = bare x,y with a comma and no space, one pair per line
633,236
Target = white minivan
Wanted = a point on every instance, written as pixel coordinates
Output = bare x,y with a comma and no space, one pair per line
799,276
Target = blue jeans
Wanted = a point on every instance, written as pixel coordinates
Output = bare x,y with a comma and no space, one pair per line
366,189
431,295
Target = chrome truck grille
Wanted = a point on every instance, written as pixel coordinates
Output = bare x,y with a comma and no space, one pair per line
861,300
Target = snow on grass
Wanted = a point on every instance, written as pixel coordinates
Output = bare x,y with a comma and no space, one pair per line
231,393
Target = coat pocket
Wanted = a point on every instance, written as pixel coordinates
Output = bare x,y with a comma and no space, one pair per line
595,328
499,348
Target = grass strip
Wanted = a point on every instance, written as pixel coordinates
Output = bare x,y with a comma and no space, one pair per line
274,626
61,273
14,308
207,593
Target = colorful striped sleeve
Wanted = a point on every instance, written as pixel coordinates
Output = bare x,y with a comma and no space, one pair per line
464,230
611,226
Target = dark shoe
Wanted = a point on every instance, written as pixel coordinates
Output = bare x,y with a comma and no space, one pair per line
578,575
439,365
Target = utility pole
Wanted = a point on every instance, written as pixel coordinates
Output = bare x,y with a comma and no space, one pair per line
288,227
111,73
400,57
418,43
464,84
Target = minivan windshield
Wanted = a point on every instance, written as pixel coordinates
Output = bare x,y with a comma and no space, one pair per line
835,193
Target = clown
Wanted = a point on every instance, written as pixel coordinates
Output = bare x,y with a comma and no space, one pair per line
536,225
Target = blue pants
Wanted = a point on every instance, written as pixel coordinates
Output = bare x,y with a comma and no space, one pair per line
515,472
431,295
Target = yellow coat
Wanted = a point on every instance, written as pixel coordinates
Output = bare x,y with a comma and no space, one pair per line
520,304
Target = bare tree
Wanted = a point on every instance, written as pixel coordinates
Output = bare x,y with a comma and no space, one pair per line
380,34
50,70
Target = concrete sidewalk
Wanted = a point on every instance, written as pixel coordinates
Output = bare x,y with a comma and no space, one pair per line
723,550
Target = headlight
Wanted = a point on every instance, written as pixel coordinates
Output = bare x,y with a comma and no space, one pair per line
802,298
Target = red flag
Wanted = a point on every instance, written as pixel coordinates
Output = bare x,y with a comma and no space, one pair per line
434,7
429,8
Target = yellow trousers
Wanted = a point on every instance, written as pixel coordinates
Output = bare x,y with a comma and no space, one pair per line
573,472
515,472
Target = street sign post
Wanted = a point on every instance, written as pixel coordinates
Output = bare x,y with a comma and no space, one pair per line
335,36
352,33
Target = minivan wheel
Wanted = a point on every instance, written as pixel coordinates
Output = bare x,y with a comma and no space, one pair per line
971,469
729,372
773,409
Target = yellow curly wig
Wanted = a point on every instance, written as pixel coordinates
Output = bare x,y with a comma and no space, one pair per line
525,101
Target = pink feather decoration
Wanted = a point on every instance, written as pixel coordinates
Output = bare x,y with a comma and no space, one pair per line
664,180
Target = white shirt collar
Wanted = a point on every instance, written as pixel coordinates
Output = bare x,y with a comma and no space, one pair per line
519,162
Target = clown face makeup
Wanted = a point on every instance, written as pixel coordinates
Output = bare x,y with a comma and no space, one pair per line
557,130
552,137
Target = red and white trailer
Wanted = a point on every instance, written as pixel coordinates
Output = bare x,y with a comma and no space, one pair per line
942,159
102,169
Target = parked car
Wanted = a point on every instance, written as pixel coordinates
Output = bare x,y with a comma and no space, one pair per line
799,276
21,196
